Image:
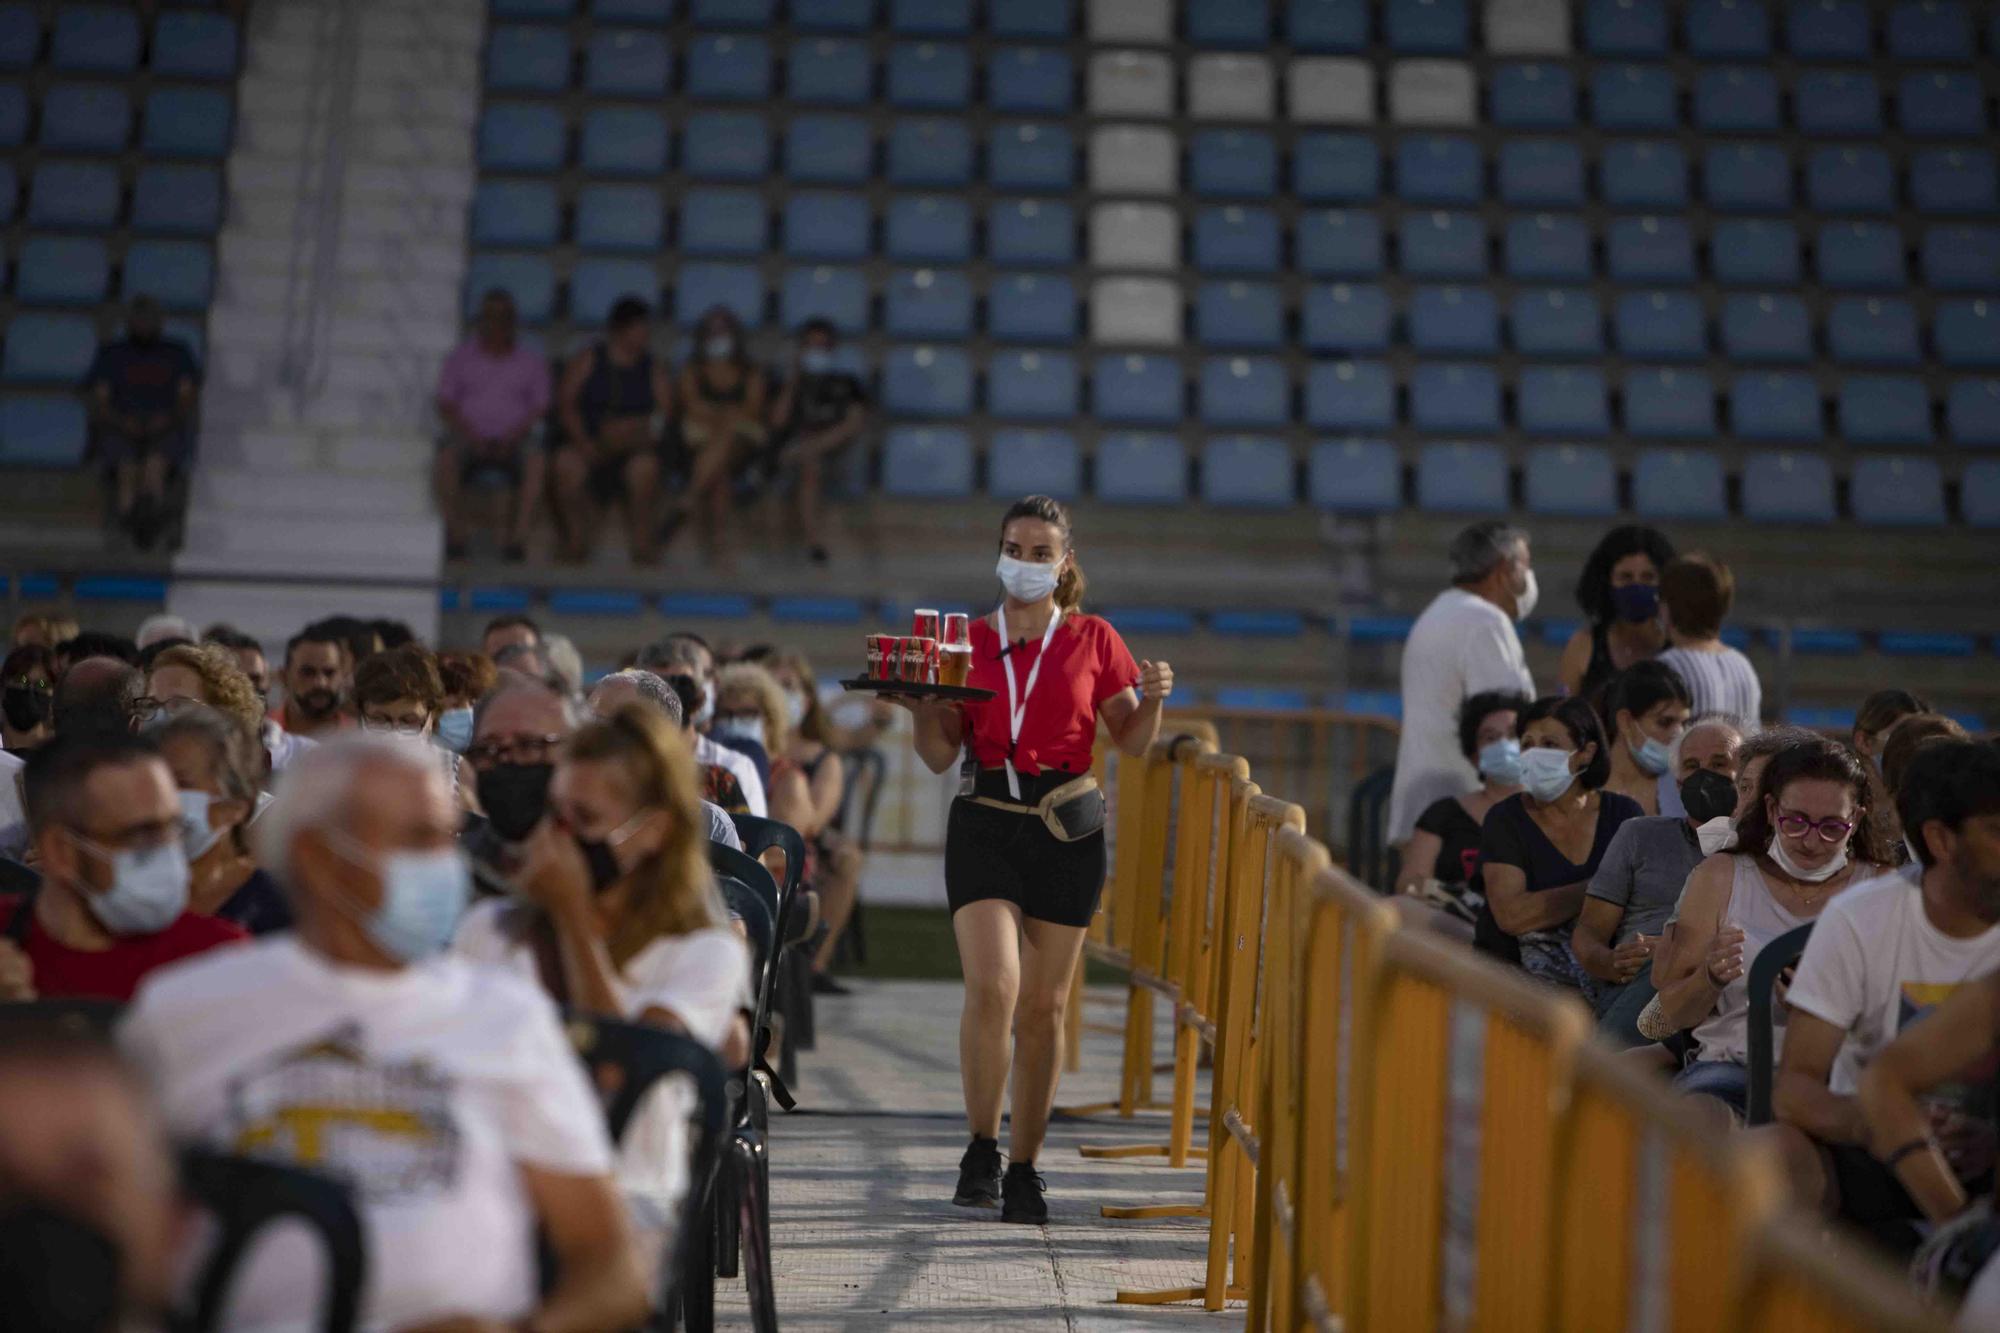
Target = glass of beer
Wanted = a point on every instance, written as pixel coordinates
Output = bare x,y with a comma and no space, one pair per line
955,650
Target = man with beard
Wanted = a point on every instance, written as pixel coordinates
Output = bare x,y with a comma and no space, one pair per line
516,731
316,678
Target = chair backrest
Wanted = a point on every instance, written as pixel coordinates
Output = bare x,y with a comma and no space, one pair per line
1772,959
759,835
1367,855
747,870
79,1016
866,772
246,1194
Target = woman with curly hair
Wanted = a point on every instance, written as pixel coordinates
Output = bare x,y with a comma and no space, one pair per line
1619,594
201,673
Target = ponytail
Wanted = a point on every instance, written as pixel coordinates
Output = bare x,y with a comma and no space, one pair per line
1069,588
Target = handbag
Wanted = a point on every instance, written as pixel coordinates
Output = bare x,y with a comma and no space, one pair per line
1070,812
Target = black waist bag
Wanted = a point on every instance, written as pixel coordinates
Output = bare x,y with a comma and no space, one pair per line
1070,812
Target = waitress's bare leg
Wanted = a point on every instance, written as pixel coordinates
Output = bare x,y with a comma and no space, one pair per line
989,952
1048,959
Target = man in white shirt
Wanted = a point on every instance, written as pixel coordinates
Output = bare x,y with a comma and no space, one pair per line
442,1091
1883,955
1463,643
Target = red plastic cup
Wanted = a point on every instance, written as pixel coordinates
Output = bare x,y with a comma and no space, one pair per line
924,624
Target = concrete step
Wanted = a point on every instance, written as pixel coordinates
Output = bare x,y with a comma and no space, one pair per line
429,102
254,174
313,545
380,64
375,139
364,215
273,612
319,492
379,297
236,327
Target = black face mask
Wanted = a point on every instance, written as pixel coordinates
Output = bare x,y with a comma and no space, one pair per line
515,797
61,1274
1707,794
604,871
26,709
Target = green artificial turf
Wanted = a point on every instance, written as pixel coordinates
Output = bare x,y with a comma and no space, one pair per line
915,943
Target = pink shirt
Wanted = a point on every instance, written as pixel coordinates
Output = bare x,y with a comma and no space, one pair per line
495,395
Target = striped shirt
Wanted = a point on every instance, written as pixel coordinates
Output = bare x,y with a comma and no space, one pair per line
1721,682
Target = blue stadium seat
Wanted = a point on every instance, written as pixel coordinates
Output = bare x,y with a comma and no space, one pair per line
819,225
830,71
1897,492
929,74
1563,401
1357,396
1660,326
66,196
1039,385
1462,478
1531,97
42,432
1030,80
1679,483
177,200
13,115
927,382
1727,29
1873,330
48,349
699,287
514,213
728,67
722,145
1747,178
1861,256
1336,168
61,271
1547,247
595,285
828,150
1229,164
1939,104
86,118
1953,180
1883,409
1033,462
527,58
519,137
1541,173
1829,30
832,15
1032,307
628,141
1426,27
929,229
1339,243
633,218
1135,389
1235,239
1455,398
1442,245
1837,103
713,222
1459,321
935,152
927,462
1345,317
836,294
1754,252
1031,18
188,44
1930,30
1244,391
1031,232
180,275
1248,472
1238,315
1649,249
20,36
534,9
1972,411
1556,322
1439,169
1571,481
95,39
928,303
1018,157
1135,468
1776,405
711,13
1766,327
1633,98
1736,99
10,191
1961,258
529,279
1644,173
1625,27
1243,25
1328,25
942,18
1354,477
1787,488
1967,332
1850,179
1666,403
1979,493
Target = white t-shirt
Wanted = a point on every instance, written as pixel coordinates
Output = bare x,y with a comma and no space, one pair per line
427,1088
283,746
1461,644
737,764
1875,964
13,809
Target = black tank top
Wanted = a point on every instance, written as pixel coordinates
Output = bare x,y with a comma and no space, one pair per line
1600,669
616,391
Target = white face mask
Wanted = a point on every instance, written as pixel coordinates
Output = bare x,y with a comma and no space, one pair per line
719,348
1781,856
795,707
1026,581
706,713
1717,835
816,360
742,728
1525,597
196,834
149,888
1546,773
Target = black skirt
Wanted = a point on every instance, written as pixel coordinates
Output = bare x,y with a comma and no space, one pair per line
991,853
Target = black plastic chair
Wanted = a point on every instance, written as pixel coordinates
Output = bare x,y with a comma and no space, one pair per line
1772,959
82,1017
246,1194
796,910
1367,847
741,1219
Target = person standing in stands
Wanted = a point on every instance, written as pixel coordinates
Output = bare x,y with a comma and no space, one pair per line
819,411
1644,708
492,392
142,397
722,422
1464,643
1619,594
1697,592
1441,861
317,675
1024,853
614,399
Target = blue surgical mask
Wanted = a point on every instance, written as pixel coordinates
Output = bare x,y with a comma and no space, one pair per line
816,360
454,729
149,888
196,834
741,728
1024,580
1545,773
1652,757
423,896
1500,761
1636,602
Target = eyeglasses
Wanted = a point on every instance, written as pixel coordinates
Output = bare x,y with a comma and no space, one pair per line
513,750
30,684
1794,825
382,727
146,707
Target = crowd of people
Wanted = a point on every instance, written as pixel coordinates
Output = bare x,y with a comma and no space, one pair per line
1639,835
339,901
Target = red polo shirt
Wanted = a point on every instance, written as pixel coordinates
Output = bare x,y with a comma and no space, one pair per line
63,973
1088,663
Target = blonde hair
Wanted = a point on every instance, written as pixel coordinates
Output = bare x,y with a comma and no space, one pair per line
813,725
770,696
672,892
224,687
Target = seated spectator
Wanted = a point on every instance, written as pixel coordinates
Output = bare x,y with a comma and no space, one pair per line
42,631
203,674
1803,839
1638,884
27,698
217,765
249,655
155,630
467,678
1697,592
509,631
1441,860
492,394
400,693
722,422
614,398
94,643
750,708
635,687
113,900
1644,709
564,664
1903,741
142,397
819,411
1883,956
1619,594
445,1094
516,732
736,767
1539,849
838,857
1878,713
98,694
319,669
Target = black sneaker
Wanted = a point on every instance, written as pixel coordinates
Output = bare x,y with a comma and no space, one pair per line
979,1175
1021,1191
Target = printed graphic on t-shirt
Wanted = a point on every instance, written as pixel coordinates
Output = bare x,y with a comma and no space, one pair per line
1972,1091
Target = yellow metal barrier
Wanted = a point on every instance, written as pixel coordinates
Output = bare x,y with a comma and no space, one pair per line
1803,1280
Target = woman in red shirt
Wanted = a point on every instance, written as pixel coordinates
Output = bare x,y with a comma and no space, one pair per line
1021,897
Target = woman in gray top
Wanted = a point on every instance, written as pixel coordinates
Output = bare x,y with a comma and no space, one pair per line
1696,592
